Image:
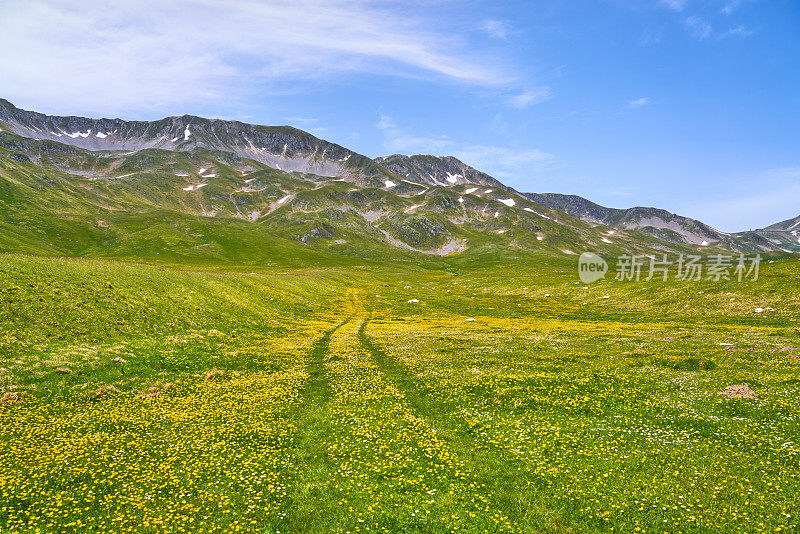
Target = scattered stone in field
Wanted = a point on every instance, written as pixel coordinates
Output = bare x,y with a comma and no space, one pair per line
119,360
11,397
739,391
63,371
103,392
156,391
413,301
214,374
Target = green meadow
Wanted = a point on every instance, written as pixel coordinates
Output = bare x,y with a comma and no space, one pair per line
465,394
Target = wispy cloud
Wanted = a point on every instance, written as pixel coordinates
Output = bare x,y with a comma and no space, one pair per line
306,123
677,5
496,28
506,163
510,164
730,7
530,97
699,28
738,31
398,140
750,209
639,102
649,37
119,55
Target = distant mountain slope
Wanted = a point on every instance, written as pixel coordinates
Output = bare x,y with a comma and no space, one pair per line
672,227
280,147
789,225
74,185
436,170
783,236
658,222
61,199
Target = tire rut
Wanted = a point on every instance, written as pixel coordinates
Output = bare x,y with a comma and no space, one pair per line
309,493
491,467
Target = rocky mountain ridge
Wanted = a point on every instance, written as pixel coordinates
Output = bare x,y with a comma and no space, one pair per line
419,202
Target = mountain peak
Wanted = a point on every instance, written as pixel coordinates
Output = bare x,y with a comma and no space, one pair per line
437,170
443,184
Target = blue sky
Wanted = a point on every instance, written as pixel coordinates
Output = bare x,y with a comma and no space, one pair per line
688,105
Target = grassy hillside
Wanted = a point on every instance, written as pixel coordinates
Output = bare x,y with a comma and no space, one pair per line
176,207
194,341
473,396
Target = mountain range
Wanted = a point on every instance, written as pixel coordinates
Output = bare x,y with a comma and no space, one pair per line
194,187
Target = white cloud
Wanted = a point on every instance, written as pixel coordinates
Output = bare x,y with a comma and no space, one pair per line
530,97
749,209
701,29
399,141
496,29
513,164
306,123
698,27
730,7
677,5
639,102
650,37
505,163
118,56
738,31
